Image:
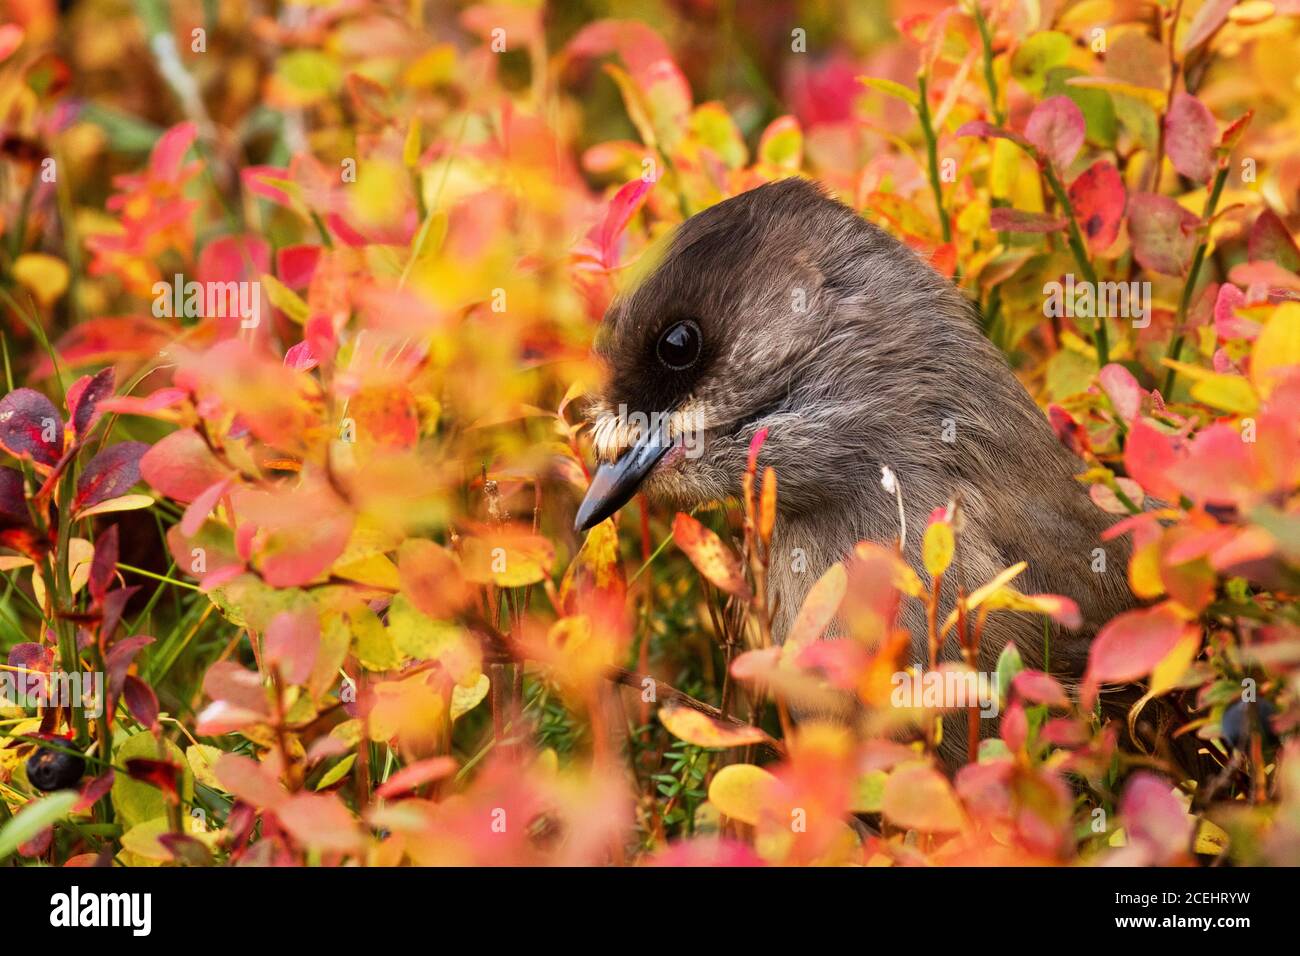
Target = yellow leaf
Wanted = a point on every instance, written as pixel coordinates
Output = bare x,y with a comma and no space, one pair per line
376,570
918,797
122,503
739,791
1232,393
938,547
690,725
202,758
411,147
819,607
285,299
45,277
81,553
465,699
1277,348
1144,572
1210,838
1167,673
1152,97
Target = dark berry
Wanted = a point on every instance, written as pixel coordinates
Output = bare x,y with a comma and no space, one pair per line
1236,723
53,769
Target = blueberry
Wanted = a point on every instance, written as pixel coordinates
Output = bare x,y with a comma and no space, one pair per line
1236,723
53,769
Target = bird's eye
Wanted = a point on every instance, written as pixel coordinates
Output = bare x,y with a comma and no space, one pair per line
679,345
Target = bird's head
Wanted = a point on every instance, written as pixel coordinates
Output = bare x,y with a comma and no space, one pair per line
750,317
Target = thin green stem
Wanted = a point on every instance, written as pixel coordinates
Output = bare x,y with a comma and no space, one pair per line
1074,237
1194,273
932,152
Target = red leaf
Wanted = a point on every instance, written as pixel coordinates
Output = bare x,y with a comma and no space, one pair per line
1191,137
162,774
109,474
1056,128
417,774
1005,219
1098,197
94,790
1271,241
117,662
30,427
84,397
104,564
181,466
1163,233
1149,456
13,498
294,265
140,701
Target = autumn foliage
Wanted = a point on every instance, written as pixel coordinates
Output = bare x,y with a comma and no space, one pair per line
317,541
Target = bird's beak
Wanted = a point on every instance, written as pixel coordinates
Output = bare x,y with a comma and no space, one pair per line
615,483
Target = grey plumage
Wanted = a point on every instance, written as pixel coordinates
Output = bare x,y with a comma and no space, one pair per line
855,354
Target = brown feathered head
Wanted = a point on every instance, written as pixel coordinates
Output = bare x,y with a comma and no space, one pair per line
783,308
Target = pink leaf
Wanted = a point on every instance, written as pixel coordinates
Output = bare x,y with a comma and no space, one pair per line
320,821
1227,324
150,406
169,152
622,208
1040,688
1056,128
249,781
181,466
1209,17
1191,136
1130,646
292,642
1163,233
1123,390
1154,818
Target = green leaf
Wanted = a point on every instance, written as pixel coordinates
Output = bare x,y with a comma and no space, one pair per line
337,772
35,817
1036,56
136,801
1009,665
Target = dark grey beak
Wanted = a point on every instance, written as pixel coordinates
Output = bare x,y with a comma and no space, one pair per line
616,483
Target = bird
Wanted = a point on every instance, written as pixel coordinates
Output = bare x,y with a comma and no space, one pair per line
782,308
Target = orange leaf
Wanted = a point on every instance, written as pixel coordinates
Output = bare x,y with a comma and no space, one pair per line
710,556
